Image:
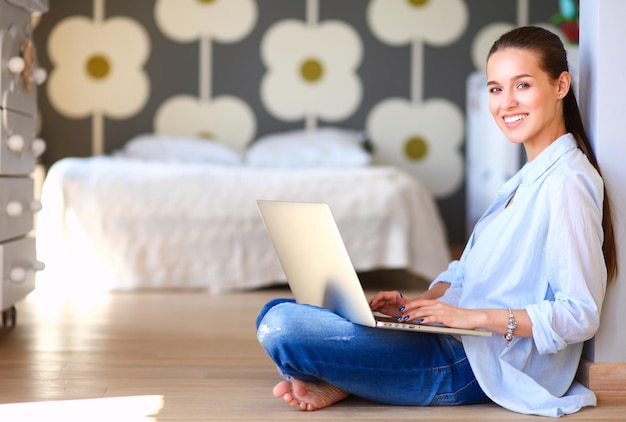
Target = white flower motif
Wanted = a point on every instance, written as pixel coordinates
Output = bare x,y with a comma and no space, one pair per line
225,118
399,22
483,41
226,21
311,70
98,67
423,139
485,38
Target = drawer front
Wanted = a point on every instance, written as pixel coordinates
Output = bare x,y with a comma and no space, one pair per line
19,266
19,70
19,146
12,14
18,207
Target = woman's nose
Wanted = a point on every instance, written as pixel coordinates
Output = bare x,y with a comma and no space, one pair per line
510,100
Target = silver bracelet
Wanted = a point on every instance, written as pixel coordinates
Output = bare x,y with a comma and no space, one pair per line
509,333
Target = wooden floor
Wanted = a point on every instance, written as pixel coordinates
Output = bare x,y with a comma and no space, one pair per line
170,356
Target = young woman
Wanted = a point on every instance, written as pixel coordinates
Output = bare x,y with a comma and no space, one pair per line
534,271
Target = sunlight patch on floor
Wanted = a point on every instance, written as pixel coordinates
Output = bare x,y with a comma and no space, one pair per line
131,409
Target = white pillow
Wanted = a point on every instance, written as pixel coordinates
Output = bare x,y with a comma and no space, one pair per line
325,147
179,149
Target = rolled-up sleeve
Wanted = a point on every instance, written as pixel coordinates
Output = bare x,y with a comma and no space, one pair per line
453,275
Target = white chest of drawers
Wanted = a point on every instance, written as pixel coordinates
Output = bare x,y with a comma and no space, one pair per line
19,149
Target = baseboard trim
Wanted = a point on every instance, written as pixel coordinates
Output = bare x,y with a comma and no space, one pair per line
606,379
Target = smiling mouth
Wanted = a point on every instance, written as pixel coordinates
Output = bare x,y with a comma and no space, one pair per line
516,118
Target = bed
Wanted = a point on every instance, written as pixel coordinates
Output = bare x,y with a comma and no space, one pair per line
167,213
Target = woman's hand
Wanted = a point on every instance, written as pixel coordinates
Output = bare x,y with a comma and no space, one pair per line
395,304
434,311
389,303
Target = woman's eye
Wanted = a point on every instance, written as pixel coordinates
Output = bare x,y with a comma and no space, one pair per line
494,90
522,85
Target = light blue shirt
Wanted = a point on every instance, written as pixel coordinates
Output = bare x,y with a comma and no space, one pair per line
542,253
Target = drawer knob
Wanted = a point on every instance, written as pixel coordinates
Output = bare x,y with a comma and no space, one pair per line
15,143
14,209
35,206
16,65
17,274
39,76
38,146
38,266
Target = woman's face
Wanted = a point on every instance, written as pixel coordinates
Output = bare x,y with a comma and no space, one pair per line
525,103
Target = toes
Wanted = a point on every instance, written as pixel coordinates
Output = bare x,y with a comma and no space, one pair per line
281,388
291,400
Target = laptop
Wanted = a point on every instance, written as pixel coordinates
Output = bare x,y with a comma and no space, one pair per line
319,270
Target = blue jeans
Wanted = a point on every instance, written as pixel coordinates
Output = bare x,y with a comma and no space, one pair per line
387,366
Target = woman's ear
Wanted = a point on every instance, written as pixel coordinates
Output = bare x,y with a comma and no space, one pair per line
564,84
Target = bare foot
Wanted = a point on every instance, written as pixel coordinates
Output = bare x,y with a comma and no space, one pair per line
309,395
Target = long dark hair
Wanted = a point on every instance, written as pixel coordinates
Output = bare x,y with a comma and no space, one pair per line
553,61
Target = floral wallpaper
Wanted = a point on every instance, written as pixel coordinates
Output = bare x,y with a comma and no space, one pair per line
235,70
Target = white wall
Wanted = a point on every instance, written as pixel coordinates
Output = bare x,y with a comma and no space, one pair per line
603,104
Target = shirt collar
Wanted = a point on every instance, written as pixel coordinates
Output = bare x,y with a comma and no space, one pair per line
533,170
547,158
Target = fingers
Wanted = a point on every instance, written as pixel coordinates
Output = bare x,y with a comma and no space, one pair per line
424,311
388,303
387,298
420,304
408,311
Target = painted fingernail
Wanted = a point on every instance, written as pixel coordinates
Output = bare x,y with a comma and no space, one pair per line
406,318
399,319
401,295
402,308
420,320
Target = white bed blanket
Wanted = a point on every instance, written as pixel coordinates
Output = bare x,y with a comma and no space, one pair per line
122,224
